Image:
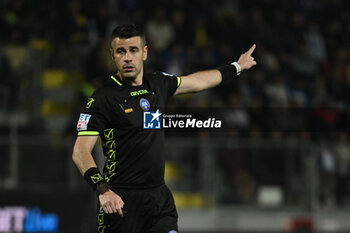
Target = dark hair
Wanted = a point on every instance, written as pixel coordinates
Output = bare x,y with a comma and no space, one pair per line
126,31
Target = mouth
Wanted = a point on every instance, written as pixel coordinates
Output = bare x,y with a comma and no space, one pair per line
128,68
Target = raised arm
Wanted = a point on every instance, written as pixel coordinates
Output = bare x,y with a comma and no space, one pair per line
202,80
110,201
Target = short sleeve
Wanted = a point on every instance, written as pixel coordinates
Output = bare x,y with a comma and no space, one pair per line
93,119
169,83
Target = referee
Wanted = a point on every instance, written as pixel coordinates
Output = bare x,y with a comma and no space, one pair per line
133,197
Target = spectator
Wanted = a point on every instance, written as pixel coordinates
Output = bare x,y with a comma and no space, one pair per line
159,30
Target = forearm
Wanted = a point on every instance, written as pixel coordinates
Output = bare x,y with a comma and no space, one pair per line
82,153
83,160
202,80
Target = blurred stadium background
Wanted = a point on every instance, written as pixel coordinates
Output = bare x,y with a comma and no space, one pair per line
281,164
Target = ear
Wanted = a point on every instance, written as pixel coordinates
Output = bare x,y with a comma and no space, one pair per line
111,51
145,50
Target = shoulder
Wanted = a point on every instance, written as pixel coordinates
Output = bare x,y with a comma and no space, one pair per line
100,92
158,76
155,79
150,76
161,74
109,88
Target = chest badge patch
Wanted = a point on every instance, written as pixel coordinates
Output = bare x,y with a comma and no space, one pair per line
144,104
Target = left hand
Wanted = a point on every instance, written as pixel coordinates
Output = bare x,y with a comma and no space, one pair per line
111,203
246,61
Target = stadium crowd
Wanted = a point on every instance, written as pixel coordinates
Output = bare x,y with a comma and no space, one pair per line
302,51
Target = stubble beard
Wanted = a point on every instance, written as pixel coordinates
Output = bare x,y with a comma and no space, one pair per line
129,77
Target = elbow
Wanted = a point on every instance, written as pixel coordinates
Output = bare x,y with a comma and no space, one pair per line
76,155
203,85
199,88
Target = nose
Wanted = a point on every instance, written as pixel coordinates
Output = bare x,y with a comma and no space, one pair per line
128,57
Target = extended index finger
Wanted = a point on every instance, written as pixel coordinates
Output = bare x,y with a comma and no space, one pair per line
251,50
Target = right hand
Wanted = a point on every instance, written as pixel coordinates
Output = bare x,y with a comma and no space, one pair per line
111,203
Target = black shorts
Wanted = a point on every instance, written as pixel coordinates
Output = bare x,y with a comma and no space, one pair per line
146,211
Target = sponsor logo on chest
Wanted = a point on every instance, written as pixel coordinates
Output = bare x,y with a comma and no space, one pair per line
139,92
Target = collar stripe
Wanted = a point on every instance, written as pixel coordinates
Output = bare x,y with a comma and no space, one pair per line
115,80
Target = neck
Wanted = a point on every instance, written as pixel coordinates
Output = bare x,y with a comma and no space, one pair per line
132,81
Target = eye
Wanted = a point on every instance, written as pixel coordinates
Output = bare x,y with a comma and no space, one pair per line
134,50
120,51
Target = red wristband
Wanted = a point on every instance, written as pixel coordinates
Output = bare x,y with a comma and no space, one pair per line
103,187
